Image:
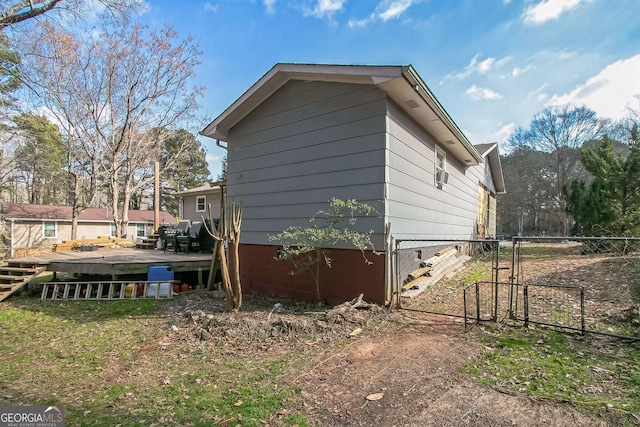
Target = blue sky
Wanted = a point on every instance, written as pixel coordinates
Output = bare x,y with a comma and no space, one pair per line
492,64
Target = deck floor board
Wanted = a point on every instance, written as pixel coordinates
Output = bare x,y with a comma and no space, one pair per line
116,261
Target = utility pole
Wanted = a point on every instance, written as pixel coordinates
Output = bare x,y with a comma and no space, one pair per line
156,196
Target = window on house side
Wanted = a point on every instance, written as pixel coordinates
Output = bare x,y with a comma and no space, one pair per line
141,230
49,229
441,175
112,230
201,203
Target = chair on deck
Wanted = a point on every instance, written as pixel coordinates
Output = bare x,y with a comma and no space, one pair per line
167,234
190,241
181,233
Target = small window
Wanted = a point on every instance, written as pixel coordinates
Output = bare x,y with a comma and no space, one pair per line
141,230
49,229
440,172
112,230
201,203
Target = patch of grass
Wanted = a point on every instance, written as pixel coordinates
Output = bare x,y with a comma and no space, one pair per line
544,363
105,362
482,272
534,250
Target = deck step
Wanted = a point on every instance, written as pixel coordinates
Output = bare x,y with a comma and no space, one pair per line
11,278
146,245
16,283
24,270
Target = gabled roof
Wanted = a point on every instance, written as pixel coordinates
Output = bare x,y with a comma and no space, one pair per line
401,83
20,211
490,151
213,187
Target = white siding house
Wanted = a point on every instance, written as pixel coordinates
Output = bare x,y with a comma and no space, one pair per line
38,228
304,134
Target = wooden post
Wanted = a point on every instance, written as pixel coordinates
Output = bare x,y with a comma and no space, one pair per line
156,196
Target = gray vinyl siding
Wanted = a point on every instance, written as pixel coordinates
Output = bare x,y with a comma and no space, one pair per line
189,210
307,143
416,207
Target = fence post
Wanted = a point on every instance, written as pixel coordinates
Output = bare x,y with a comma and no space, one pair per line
397,286
495,286
525,291
464,304
513,275
478,300
582,313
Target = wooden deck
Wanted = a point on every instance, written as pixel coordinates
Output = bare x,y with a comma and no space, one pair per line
115,262
12,279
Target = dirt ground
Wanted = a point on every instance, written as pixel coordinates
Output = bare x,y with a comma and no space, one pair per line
383,367
398,368
415,370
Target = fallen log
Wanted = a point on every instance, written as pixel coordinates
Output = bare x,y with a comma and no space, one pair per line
349,311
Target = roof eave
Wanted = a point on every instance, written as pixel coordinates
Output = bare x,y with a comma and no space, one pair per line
459,137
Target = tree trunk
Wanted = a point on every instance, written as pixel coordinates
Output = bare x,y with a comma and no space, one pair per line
234,257
226,280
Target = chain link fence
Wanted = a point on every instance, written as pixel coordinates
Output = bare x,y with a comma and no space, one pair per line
590,284
582,284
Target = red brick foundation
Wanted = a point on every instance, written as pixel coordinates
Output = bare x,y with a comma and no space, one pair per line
348,276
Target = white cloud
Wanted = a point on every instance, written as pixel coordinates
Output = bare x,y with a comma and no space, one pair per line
210,7
611,93
563,56
518,71
393,9
478,93
539,93
481,67
385,10
504,132
326,8
359,23
547,10
270,5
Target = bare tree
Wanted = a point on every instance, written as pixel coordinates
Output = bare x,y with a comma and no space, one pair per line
560,132
111,93
15,12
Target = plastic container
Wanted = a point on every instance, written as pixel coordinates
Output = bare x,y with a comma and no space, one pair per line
152,289
162,274
184,288
128,290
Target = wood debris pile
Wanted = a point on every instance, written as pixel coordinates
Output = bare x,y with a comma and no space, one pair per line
444,263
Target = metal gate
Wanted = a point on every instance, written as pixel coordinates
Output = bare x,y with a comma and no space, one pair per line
596,276
513,303
587,284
